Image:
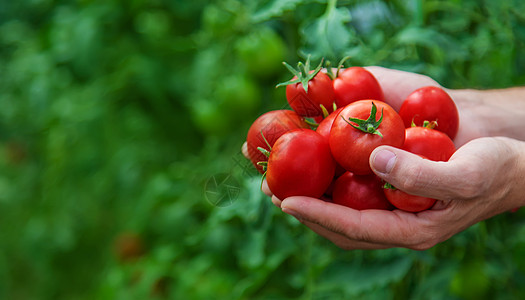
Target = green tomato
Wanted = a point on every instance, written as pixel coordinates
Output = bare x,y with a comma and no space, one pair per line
209,118
238,95
471,281
262,51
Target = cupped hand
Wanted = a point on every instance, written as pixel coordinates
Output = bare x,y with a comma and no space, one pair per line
482,179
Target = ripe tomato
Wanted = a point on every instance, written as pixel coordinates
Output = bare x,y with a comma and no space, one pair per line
271,125
356,83
360,192
431,103
300,164
430,143
326,124
324,129
320,92
407,202
308,90
379,125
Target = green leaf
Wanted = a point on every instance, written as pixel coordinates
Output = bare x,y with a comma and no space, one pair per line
328,36
355,278
274,9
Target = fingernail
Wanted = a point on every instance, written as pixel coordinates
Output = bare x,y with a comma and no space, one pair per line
384,161
291,212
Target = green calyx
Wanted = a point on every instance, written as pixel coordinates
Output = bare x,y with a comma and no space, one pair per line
388,186
369,125
303,73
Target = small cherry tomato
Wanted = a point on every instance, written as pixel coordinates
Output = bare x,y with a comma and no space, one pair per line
408,202
431,103
430,143
300,164
359,128
266,129
308,90
360,192
356,83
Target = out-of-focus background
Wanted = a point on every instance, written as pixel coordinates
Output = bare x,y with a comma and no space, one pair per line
121,123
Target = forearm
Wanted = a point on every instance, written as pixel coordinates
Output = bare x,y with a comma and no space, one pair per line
499,112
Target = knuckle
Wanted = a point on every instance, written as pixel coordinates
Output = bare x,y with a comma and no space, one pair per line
412,180
471,184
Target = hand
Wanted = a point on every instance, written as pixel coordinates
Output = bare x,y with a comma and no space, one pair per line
482,179
397,85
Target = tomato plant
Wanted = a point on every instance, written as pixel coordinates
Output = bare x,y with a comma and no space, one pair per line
360,192
238,95
431,103
430,143
308,90
300,164
358,129
355,83
261,51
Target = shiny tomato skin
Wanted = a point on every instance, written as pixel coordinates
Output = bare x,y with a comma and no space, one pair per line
407,202
356,83
324,129
429,143
326,124
360,192
272,125
351,147
431,103
300,164
320,91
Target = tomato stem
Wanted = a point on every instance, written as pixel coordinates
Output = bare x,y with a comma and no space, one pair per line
369,125
341,65
264,151
303,73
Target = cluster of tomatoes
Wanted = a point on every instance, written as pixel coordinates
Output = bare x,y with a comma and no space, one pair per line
321,147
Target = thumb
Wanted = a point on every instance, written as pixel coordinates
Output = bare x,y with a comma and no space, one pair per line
414,174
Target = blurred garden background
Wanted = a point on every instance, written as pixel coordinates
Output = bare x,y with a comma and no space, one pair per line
121,123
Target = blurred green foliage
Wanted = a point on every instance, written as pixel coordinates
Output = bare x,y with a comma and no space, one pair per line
121,124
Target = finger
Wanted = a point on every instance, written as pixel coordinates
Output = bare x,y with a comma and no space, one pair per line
244,149
266,189
340,240
276,201
415,175
381,227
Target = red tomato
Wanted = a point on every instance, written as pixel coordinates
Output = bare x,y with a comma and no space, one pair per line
430,143
324,130
380,125
360,192
271,125
320,92
326,124
407,202
300,164
431,103
356,83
